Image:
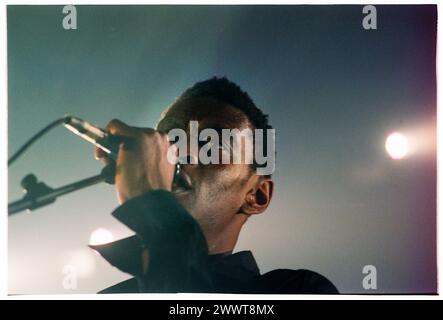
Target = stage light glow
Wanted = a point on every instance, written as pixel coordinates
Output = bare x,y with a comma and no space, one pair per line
397,145
101,236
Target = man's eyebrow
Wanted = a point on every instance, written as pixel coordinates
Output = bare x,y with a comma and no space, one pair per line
219,130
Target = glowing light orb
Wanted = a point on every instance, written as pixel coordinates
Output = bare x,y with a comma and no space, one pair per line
101,236
397,146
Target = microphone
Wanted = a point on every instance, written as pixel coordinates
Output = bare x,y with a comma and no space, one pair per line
99,137
102,139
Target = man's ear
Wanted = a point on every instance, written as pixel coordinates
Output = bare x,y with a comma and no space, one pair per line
258,198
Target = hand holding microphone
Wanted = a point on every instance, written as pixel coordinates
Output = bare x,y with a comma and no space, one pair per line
137,156
140,155
99,137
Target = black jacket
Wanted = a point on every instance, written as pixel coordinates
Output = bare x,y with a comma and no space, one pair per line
179,259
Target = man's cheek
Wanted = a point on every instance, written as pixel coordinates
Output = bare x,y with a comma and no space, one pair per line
227,176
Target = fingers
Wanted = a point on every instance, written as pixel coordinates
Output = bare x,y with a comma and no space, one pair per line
116,128
119,128
99,154
142,162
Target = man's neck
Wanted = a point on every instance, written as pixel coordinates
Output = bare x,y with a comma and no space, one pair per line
222,242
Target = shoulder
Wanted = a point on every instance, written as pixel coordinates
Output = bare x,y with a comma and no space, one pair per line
295,282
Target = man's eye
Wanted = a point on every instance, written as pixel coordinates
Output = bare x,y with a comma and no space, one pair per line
224,147
210,145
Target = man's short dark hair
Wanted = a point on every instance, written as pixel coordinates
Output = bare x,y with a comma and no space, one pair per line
228,92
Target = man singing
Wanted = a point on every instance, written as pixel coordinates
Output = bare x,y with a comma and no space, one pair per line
187,221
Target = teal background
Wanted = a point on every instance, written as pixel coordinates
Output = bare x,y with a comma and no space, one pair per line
333,91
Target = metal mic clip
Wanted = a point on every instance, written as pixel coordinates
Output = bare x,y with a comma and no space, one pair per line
99,137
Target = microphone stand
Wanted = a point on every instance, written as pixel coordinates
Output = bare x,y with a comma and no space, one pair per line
38,194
